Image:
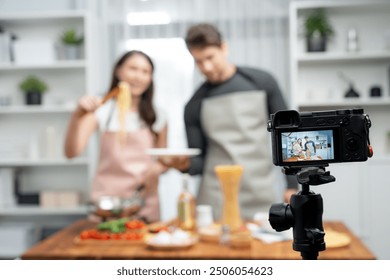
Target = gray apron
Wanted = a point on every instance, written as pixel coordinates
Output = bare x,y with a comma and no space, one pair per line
235,127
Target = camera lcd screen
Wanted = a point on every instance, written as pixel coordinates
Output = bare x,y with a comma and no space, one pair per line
306,146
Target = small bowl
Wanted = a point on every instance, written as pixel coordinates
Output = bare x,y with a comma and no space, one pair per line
109,203
108,206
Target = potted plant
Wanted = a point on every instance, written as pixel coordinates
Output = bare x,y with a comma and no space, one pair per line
318,31
33,87
72,42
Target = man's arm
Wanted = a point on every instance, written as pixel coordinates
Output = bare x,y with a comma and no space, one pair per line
195,135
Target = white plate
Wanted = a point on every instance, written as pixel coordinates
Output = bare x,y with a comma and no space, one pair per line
171,246
173,152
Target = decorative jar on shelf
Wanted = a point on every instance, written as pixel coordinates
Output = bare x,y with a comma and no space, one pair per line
72,44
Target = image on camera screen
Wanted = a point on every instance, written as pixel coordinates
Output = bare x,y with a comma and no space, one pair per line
307,145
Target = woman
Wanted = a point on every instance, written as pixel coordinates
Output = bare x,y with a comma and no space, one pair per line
297,148
123,166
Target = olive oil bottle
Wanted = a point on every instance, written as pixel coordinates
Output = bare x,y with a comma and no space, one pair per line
186,207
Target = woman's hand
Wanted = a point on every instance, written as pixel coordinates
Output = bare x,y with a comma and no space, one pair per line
181,163
81,126
89,103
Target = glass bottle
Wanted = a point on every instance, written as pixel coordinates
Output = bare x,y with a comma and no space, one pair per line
186,207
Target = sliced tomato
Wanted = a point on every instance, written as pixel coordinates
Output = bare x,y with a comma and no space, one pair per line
84,235
130,236
94,234
104,236
135,224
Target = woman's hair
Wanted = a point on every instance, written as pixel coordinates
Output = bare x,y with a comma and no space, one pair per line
203,35
299,141
145,108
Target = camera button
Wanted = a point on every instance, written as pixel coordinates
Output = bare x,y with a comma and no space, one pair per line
352,144
345,121
356,155
321,122
331,121
347,156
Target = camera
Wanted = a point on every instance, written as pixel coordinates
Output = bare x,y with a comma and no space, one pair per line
318,138
304,144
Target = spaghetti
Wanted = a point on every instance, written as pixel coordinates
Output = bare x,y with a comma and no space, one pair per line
229,178
123,105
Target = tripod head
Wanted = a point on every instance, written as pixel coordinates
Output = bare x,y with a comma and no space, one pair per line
304,213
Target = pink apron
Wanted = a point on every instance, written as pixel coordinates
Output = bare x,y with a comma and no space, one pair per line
123,167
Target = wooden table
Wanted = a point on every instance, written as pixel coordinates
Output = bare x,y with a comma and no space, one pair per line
62,246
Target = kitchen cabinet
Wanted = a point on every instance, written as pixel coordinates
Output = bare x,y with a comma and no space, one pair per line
320,80
32,138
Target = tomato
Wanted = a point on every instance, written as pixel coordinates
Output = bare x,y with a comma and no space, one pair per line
116,236
135,224
140,236
131,236
104,236
91,233
140,224
131,232
84,235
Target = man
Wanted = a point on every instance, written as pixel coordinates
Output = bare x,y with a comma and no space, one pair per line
310,146
226,118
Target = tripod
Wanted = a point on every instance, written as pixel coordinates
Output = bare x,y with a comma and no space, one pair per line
304,213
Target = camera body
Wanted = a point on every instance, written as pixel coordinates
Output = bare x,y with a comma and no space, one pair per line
317,138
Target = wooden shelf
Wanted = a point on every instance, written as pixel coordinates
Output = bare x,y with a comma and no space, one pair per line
37,210
41,15
347,103
42,162
364,6
343,57
36,109
60,64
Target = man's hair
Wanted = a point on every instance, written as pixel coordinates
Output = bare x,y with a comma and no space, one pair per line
203,35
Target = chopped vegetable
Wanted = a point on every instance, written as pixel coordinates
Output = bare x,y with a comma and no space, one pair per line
120,229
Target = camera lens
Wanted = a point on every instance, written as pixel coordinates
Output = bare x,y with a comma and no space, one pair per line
352,144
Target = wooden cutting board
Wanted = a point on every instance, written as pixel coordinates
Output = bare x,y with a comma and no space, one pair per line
109,242
334,239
